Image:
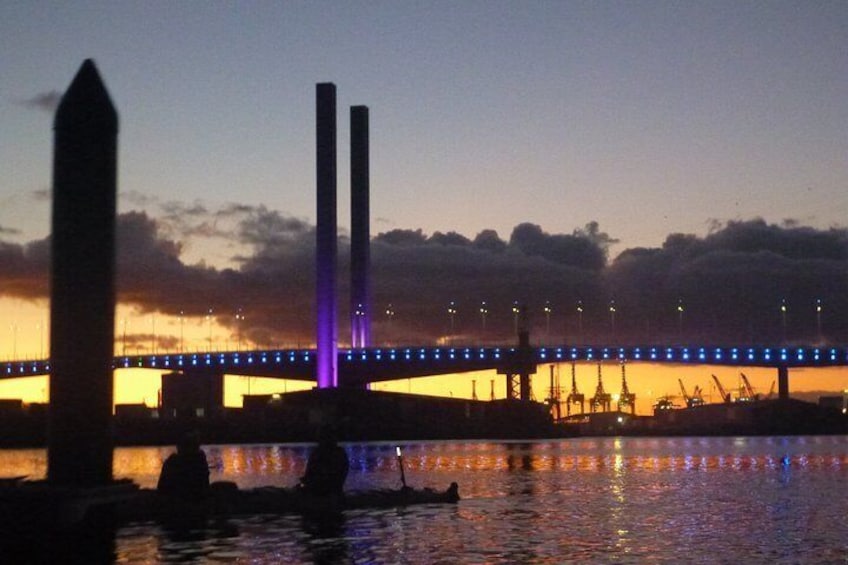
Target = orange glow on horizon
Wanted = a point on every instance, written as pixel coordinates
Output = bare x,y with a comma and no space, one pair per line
648,381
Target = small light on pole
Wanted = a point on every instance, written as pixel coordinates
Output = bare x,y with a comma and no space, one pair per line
612,317
390,314
239,321
483,311
451,315
580,320
680,310
818,318
515,312
783,309
548,311
209,322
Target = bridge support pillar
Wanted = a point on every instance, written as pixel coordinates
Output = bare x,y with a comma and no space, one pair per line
783,382
326,238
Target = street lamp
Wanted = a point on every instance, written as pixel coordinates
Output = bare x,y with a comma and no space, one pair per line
451,314
40,327
783,317
580,320
239,320
680,318
390,314
182,319
515,312
124,338
14,328
483,311
209,322
548,311
612,317
818,318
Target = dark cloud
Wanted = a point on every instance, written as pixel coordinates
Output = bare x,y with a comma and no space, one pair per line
730,283
44,101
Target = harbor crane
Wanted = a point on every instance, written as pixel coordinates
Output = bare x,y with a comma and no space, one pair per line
627,398
725,397
574,397
749,394
697,398
602,398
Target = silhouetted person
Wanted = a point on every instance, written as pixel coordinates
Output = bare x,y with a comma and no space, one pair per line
327,467
185,474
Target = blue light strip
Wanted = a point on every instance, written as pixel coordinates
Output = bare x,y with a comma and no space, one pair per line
485,356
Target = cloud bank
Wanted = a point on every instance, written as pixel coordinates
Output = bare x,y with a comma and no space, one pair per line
727,287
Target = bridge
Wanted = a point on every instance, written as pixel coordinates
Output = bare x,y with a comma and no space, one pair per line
361,366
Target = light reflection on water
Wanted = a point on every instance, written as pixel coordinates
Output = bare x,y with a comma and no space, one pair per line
613,499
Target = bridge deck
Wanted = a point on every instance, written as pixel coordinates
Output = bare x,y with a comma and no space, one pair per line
379,364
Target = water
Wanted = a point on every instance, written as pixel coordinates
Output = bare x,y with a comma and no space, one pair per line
622,500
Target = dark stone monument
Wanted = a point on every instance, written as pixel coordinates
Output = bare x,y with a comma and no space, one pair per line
82,284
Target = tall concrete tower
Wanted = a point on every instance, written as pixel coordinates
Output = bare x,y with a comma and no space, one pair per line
360,229
326,237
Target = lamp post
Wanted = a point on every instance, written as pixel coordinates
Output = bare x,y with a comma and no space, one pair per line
124,337
209,323
239,320
40,327
182,319
783,309
483,311
612,317
515,311
548,311
14,328
580,321
390,314
818,319
680,319
451,315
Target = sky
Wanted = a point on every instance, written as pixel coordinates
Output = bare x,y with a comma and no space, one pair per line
723,120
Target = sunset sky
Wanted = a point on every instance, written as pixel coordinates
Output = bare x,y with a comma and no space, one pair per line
649,118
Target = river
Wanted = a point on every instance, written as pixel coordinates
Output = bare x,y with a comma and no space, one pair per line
623,500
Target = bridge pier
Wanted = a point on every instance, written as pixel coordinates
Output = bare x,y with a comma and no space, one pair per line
783,382
520,364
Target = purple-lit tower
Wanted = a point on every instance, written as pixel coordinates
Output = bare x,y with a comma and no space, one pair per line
326,239
360,229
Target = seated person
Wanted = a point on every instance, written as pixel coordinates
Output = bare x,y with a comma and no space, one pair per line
185,474
327,467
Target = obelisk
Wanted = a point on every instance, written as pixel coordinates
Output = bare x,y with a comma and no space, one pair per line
82,284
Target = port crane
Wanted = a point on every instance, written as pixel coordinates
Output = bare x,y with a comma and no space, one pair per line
749,394
627,398
697,398
724,395
574,397
602,399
